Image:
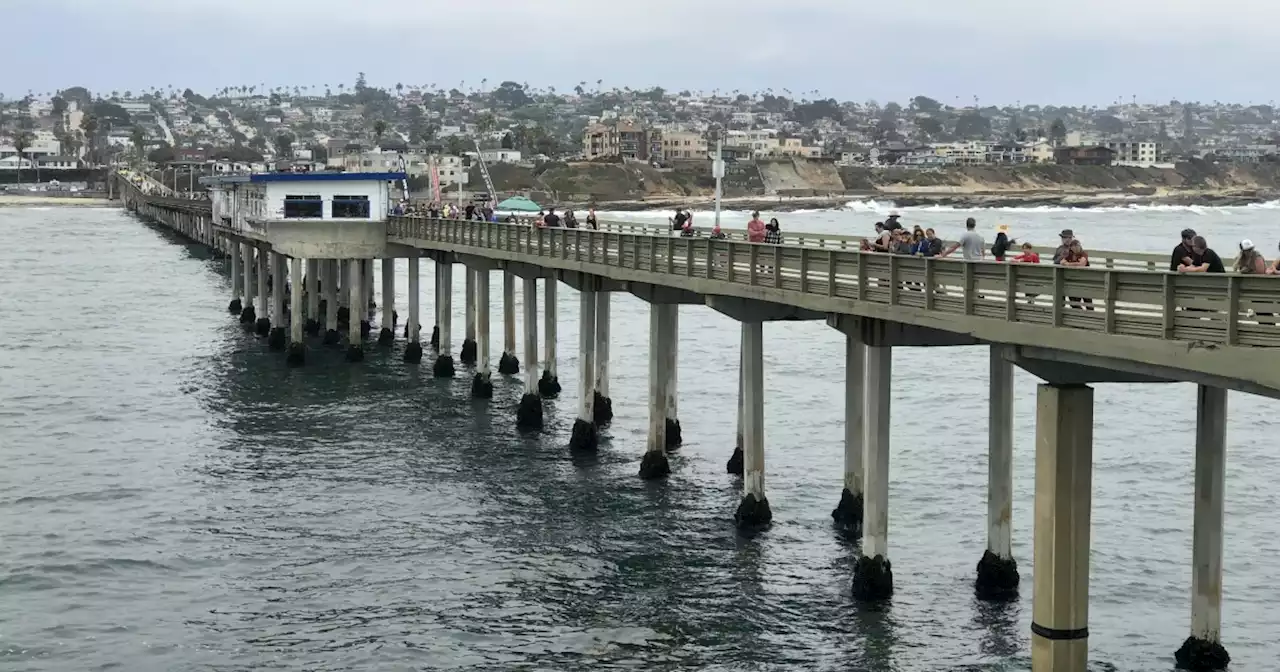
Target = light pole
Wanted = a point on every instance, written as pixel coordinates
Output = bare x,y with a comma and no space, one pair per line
717,170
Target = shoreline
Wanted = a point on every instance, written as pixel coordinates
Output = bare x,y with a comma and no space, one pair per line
19,201
959,201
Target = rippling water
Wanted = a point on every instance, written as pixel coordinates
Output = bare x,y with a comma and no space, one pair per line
175,498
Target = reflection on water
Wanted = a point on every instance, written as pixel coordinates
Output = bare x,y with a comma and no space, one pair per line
177,498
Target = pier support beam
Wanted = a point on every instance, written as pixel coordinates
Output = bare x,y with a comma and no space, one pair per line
848,514
753,511
873,575
529,413
367,265
344,293
482,383
603,404
331,307
1203,650
313,296
413,351
387,334
467,355
655,463
549,384
297,349
248,316
1064,484
443,367
998,571
585,436
435,306
263,326
278,339
355,293
734,465
508,363
674,436
235,307
363,309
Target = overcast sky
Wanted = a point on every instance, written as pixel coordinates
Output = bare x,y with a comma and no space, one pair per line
1003,51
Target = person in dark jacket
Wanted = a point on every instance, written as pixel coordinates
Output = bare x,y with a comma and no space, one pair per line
1002,244
773,232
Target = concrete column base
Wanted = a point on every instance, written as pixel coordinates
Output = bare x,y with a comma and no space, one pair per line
262,327
386,337
297,354
248,316
602,410
481,386
235,307
344,317
585,437
322,309
674,437
529,413
548,386
734,465
872,578
365,328
413,353
467,355
332,337
277,339
1202,655
508,364
848,513
443,368
435,338
654,465
355,352
753,513
997,578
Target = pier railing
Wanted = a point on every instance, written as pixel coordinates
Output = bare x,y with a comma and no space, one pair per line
1209,310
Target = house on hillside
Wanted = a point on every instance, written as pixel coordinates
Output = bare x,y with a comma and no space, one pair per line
1083,156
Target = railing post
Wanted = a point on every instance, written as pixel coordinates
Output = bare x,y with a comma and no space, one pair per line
1011,297
1233,309
688,257
730,254
831,273
1169,291
970,288
671,256
1109,316
930,283
862,274
1058,295
754,256
893,280
777,267
804,271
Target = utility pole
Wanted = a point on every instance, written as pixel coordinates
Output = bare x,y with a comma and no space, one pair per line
717,170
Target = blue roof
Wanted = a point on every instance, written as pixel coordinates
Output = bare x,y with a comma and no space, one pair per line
327,177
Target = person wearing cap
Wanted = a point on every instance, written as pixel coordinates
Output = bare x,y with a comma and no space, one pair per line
1203,259
1066,236
1250,261
891,222
1182,254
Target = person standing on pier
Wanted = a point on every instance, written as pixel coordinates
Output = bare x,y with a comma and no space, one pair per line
970,243
773,232
1203,259
677,222
1182,254
755,229
1250,261
592,222
1066,237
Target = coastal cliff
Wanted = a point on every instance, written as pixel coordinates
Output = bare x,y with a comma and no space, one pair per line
801,183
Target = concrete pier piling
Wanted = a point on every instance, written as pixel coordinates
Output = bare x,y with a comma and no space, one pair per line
467,355
753,511
734,465
248,316
435,306
529,413
278,339
602,406
355,292
386,334
848,513
997,570
655,463
1063,501
297,352
367,265
313,282
585,435
444,367
331,280
1203,650
675,437
263,326
549,384
413,327
508,363
873,573
482,383
235,307
344,293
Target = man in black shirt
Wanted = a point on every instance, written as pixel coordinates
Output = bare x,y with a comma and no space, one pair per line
552,219
1203,259
677,222
1183,252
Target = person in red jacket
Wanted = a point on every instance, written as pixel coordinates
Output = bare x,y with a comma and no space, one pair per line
1028,255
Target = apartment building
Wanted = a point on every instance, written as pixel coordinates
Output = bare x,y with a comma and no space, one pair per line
624,139
1135,153
683,145
970,153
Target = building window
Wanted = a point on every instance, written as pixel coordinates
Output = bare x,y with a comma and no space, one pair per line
351,207
303,207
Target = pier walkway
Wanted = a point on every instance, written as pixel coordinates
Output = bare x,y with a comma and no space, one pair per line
1123,320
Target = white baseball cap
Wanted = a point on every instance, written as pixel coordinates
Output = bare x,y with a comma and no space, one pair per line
1246,244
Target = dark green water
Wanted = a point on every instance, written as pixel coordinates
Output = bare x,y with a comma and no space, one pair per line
175,498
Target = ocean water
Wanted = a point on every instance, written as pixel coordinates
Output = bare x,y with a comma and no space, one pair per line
175,498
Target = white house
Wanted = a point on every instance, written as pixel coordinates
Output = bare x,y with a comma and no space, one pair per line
500,156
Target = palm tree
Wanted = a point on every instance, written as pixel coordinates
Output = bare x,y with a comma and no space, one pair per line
21,141
379,127
89,124
139,137
399,88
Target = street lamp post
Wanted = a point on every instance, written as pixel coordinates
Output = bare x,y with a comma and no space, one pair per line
717,170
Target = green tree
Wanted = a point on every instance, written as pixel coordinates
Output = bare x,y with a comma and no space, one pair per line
21,141
59,106
284,146
139,139
1058,131
89,126
379,126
